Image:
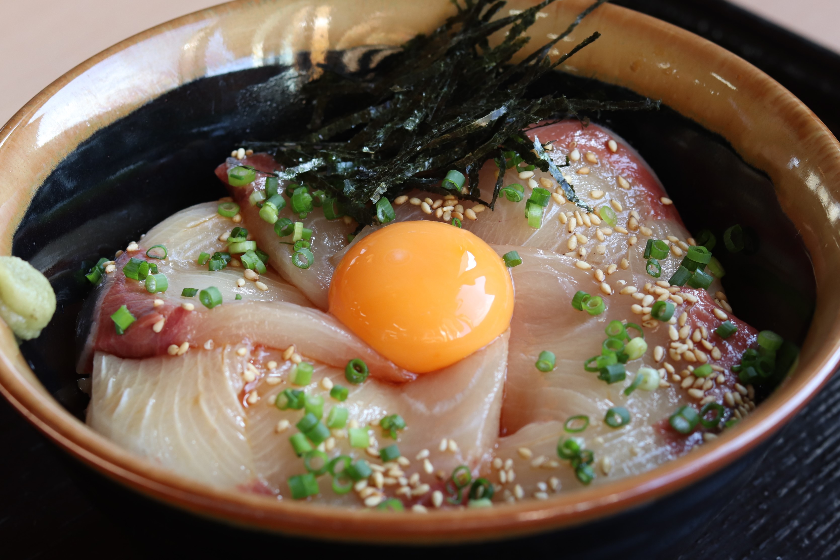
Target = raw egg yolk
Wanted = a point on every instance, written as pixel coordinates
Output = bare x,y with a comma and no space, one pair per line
423,294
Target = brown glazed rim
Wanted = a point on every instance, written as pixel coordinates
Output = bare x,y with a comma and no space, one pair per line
764,123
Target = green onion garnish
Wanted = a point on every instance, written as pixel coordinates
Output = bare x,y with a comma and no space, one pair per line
540,196
339,393
453,181
717,409
219,261
203,258
656,249
662,311
318,434
512,259
156,283
546,361
576,424
210,297
238,297
272,185
600,362
256,198
481,489
356,371
242,247
608,215
344,460
636,348
290,399
300,444
680,277
228,209
157,255
384,211
136,269
96,272
594,305
240,176
391,424
301,373
270,208
303,486
308,422
358,437
704,370
390,453
461,476
314,404
615,329
769,340
699,254
579,299
123,319
637,328
726,329
733,238
584,474
534,213
301,244
189,292
617,417
614,345
684,420
650,379
360,469
456,222
653,268
337,418
716,268
707,239
391,504
634,385
313,458
569,448
514,192
613,373
284,227
700,280
303,258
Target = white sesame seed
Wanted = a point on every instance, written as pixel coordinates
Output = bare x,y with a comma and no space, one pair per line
157,327
696,393
428,468
253,397
625,264
583,171
591,157
158,303
666,201
526,174
423,454
288,352
401,200
720,314
443,445
596,194
453,447
424,206
605,288
183,348
373,501
583,265
188,306
132,247
541,495
110,268
470,214
250,274
518,492
282,426
574,155
326,383
260,286
241,351
437,498
612,146
524,452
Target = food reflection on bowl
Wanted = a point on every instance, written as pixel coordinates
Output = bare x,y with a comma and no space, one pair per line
625,69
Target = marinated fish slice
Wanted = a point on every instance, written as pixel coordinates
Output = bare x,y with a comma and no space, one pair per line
183,414
328,238
461,403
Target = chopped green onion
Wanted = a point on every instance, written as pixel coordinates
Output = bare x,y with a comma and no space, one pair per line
189,292
600,362
123,319
576,424
242,247
707,239
391,504
684,420
318,198
656,249
301,201
96,272
344,460
514,192
731,422
308,421
302,244
300,444
512,259
356,371
312,456
391,424
769,340
653,268
210,297
615,329
342,484
228,209
546,361
290,398
634,385
662,311
303,486
284,227
540,196
318,434
301,373
579,299
700,280
337,417
584,474
339,393
726,329
680,277
156,283
359,470
256,198
272,185
358,437
594,305
303,258
608,215
157,254
716,268
203,258
240,176
390,453
636,327
481,489
650,379
534,213
384,211
332,209
314,404
614,345
617,417
219,261
636,348
237,234
717,409
483,503
569,448
461,476
733,238
136,269
704,370
699,254
238,297
453,181
613,373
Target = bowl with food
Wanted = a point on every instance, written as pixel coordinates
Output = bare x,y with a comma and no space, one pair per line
429,274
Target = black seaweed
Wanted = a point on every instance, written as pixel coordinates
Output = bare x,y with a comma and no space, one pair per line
447,100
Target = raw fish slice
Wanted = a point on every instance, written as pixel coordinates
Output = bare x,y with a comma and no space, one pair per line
328,238
183,414
461,403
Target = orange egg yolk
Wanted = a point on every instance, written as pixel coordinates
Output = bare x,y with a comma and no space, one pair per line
423,294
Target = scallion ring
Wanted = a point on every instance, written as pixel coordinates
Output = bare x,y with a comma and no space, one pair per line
546,361
228,209
210,297
634,385
454,180
311,456
617,417
576,424
512,259
356,371
662,311
594,305
653,268
579,299
608,215
303,258
717,409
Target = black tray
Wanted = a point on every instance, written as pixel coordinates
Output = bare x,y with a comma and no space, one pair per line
50,505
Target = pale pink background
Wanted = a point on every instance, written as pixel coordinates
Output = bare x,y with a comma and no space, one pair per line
42,39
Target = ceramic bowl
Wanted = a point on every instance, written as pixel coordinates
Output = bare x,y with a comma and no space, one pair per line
132,135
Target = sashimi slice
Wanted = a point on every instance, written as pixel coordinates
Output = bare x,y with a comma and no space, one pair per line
182,414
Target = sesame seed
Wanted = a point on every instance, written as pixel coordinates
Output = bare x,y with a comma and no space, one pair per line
583,171
583,265
591,157
574,155
424,206
240,282
632,240
497,463
373,501
541,495
414,201
625,264
438,213
273,380
282,426
524,452
696,393
596,194
508,464
620,229
437,498
612,146
599,275
260,286
188,306
417,508
741,389
158,302
646,231
720,314
172,350
253,397
237,218
241,351
157,327
606,465
185,346
606,288
132,247
571,225
250,274
437,204
666,201
616,205
676,251
428,467
558,198
401,200
443,445
636,309
708,436
453,447
326,383
526,174
518,492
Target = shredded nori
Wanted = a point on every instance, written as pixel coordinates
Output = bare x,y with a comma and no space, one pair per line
447,100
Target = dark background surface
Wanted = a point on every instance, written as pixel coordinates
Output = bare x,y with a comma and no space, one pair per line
51,507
